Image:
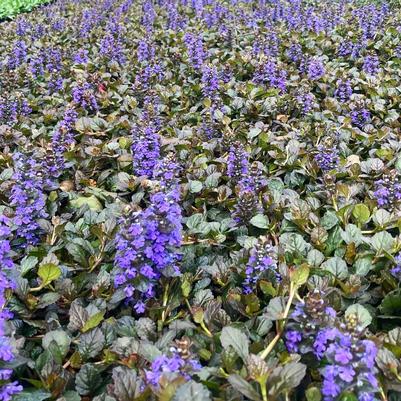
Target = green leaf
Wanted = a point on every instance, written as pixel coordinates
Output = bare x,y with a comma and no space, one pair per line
78,316
313,394
32,395
391,304
48,273
352,234
88,379
254,132
126,326
275,184
91,344
315,258
336,266
186,285
363,266
192,391
44,360
194,221
293,242
394,336
386,360
334,241
87,124
47,299
127,385
398,164
285,378
361,213
125,346
300,275
231,336
267,288
347,396
381,217
244,387
247,242
392,116
93,321
329,220
92,202
263,326
27,264
77,253
62,339
212,180
148,351
382,241
363,317
70,396
275,309
260,221
6,174
105,397
195,187
394,395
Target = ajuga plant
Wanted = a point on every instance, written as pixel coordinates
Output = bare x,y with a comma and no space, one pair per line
340,346
237,162
327,157
173,364
28,197
248,203
200,200
149,240
261,260
146,144
62,140
388,190
8,387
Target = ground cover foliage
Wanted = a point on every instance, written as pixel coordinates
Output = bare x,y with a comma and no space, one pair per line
9,8
200,201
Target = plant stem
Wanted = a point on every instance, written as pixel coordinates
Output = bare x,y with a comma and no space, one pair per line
205,329
36,288
165,300
383,395
262,384
202,323
272,344
334,203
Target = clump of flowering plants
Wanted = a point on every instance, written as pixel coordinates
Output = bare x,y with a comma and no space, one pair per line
201,201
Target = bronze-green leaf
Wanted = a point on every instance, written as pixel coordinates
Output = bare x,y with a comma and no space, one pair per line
93,321
48,273
300,275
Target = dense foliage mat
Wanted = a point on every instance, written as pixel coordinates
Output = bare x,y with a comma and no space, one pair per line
9,8
200,201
